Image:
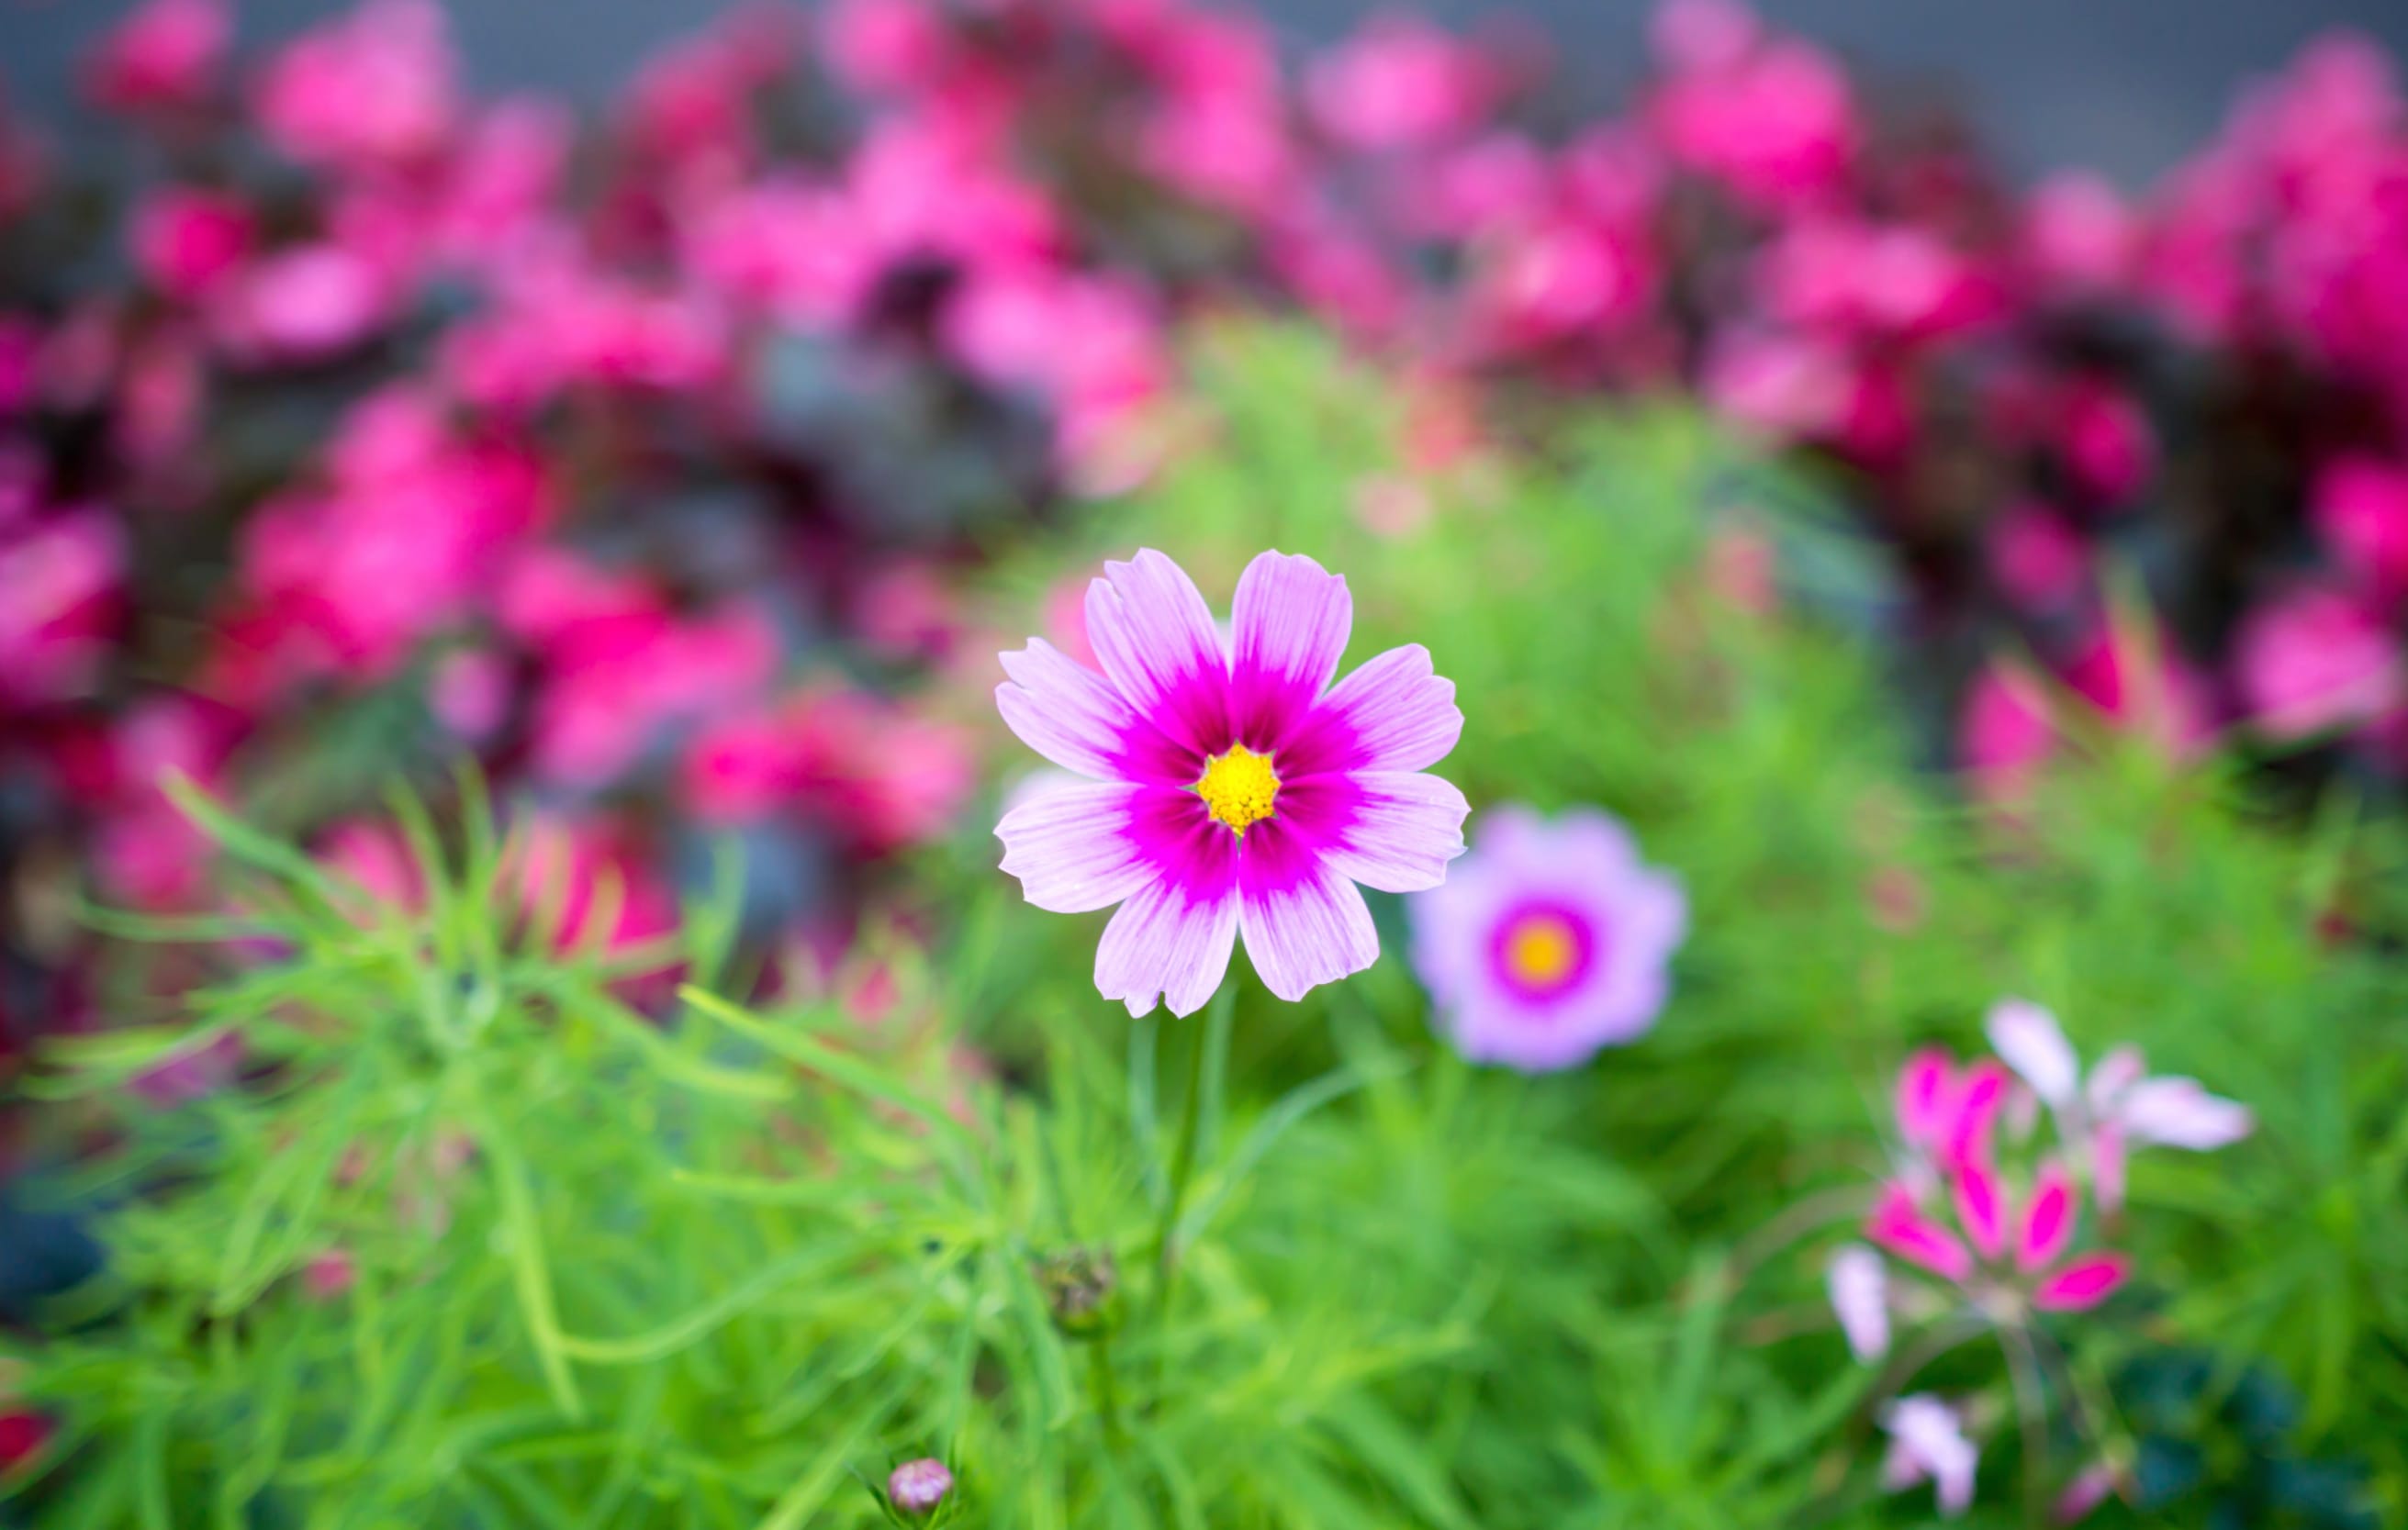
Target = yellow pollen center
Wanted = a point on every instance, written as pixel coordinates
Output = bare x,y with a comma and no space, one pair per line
1540,951
1239,788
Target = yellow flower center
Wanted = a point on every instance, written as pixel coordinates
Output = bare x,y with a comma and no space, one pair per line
1540,951
1239,788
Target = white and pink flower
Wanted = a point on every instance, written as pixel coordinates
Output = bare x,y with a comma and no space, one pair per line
1231,788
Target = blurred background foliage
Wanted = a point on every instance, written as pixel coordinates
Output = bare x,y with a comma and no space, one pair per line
473,1238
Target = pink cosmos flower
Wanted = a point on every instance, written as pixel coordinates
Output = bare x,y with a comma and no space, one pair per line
2317,662
1971,1247
1551,940
1927,1442
1231,787
2103,1117
163,56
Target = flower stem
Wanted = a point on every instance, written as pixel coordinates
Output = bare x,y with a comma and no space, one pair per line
1182,1162
1107,1397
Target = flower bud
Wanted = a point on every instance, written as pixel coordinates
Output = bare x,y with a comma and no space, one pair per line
1082,1287
916,1488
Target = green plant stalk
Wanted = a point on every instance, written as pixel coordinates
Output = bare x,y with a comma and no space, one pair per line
1182,1163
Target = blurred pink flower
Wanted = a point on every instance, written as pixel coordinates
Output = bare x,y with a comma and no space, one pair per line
2090,1487
2359,506
620,669
584,882
2038,561
1927,1443
1772,119
402,538
1550,939
59,599
374,88
469,692
166,54
1845,277
2316,660
303,304
885,45
1537,283
1791,386
1399,82
2081,238
2105,441
187,238
329,1274
870,771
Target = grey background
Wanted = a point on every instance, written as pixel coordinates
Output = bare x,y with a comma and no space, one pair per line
2124,86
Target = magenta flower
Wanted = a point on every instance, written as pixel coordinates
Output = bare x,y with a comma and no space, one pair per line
1551,940
1997,1249
1230,789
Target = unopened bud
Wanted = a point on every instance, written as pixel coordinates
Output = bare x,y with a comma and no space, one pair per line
1082,1287
916,1488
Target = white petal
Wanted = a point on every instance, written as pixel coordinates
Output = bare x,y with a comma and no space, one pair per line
1167,943
1860,1288
2178,1113
2030,1041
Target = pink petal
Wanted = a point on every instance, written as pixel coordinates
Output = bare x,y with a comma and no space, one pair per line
1981,1208
2116,1072
1304,924
1288,629
2091,1486
1173,938
1154,637
2083,1285
2178,1113
1074,717
1072,847
2048,1218
1385,829
1898,1226
2030,1040
2107,1155
1979,1096
1393,713
1924,1087
1859,1288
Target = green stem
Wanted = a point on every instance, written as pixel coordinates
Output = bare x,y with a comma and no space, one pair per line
1107,1396
1182,1163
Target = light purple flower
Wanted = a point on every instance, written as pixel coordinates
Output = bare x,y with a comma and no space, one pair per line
916,1488
2115,1107
1859,1288
1926,1440
1548,941
1230,789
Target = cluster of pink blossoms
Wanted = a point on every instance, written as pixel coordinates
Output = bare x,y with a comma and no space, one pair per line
1983,1220
644,481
